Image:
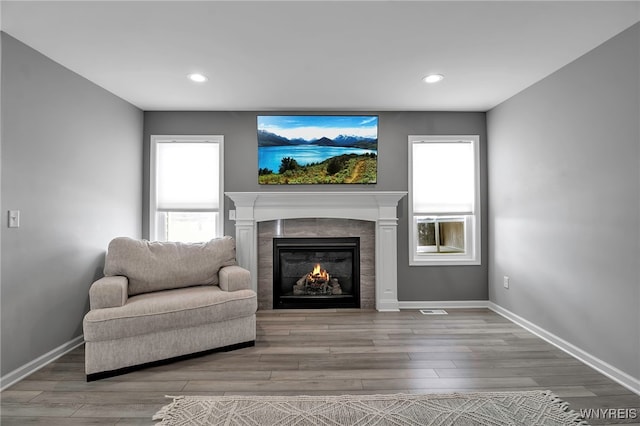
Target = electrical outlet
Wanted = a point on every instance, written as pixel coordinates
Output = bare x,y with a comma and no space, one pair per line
505,281
232,215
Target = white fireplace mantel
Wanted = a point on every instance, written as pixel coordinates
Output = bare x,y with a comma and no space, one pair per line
376,206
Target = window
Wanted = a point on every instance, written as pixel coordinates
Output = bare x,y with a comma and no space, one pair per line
444,200
186,199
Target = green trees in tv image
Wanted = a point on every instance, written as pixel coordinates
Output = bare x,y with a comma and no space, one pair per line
347,168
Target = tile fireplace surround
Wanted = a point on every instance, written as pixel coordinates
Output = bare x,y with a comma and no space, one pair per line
311,228
379,207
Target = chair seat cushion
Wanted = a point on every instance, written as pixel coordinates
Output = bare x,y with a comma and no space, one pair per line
168,310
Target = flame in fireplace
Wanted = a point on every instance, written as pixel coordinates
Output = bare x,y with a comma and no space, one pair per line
316,269
318,274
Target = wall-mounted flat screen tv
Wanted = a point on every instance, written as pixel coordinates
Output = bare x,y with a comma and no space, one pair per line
317,149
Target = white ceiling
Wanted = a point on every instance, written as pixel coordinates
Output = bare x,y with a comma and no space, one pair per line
305,55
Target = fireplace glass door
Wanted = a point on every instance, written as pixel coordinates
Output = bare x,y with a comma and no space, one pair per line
316,273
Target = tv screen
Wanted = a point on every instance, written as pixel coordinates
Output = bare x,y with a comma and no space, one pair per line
317,149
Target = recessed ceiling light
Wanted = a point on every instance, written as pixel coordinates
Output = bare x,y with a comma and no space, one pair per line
433,78
198,78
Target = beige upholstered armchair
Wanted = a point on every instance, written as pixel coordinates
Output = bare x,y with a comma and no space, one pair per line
164,300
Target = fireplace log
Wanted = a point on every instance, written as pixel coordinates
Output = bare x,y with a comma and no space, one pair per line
335,287
309,285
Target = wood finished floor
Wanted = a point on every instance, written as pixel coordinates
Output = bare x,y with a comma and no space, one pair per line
325,352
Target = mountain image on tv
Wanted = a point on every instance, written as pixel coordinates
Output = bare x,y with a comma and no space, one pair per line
317,149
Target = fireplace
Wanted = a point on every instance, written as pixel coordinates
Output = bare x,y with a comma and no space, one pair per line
377,207
316,272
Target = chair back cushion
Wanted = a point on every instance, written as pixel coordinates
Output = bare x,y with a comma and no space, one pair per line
154,265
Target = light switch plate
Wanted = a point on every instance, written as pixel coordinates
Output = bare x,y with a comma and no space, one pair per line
14,218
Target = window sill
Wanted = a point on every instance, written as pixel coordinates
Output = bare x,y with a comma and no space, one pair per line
444,262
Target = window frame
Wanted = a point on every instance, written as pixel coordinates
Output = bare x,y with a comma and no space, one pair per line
153,181
472,222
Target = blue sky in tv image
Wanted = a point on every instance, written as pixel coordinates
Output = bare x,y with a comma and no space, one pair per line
314,138
313,127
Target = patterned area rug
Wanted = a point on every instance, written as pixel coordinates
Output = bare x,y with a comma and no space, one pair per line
496,408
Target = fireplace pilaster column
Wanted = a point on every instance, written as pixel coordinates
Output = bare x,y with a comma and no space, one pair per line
386,248
247,258
246,235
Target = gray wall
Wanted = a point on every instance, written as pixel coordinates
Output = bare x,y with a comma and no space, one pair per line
416,283
565,202
71,159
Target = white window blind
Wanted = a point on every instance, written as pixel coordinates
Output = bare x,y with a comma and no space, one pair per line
186,187
444,200
188,176
443,177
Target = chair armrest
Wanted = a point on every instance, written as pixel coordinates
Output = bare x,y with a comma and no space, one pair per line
109,292
233,278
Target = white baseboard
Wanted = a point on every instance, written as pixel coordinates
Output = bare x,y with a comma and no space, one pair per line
624,379
33,366
387,305
451,304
